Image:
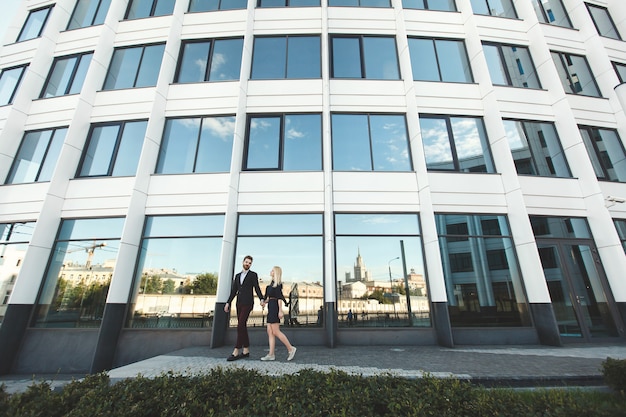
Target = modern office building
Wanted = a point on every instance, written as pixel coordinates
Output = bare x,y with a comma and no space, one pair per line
425,172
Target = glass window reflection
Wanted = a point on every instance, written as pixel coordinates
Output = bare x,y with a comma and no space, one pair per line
443,5
552,12
536,148
295,243
380,271
286,57
216,60
575,74
37,156
134,67
88,13
79,274
606,151
368,57
439,60
10,79
35,22
481,272
175,284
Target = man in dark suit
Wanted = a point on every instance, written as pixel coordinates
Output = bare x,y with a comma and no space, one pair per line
243,284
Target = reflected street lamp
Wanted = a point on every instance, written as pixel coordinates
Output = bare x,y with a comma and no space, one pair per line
389,267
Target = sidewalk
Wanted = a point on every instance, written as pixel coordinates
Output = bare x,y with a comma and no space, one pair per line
516,366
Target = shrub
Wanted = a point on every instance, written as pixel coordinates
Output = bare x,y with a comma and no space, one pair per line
614,372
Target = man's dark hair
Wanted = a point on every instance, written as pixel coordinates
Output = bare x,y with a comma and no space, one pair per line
248,257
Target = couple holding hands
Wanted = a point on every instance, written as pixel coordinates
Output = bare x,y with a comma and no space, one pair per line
243,284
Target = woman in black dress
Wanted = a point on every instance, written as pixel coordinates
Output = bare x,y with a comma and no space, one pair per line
274,300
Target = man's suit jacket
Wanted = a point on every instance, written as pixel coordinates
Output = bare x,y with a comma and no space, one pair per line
243,292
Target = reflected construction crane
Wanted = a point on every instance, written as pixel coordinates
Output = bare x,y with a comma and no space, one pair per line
90,250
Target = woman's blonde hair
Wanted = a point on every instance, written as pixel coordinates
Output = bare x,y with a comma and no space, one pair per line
278,276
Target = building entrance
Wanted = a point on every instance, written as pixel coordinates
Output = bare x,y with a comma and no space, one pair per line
581,298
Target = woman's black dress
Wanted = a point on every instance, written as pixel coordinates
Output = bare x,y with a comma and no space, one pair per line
272,294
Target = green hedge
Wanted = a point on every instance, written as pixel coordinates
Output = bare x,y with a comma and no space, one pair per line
238,392
614,372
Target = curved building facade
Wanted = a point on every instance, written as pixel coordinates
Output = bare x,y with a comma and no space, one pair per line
425,172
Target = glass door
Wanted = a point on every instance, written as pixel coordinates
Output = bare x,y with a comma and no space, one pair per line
578,290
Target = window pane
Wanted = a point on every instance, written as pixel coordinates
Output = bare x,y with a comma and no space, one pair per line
575,74
612,154
551,11
102,12
343,3
81,73
471,145
480,7
375,3
164,7
89,12
351,142
123,68
207,5
226,60
233,4
620,69
52,156
178,149
293,242
34,24
303,142
304,57
269,58
9,80
424,60
98,155
436,140
389,143
495,65
194,62
60,77
216,144
502,8
380,58
129,149
263,143
520,65
300,3
602,20
139,9
536,149
346,58
444,5
78,276
167,294
414,4
30,156
372,252
453,61
482,275
150,66
272,3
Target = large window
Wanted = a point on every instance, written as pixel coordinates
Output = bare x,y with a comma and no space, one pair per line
279,57
10,79
14,239
147,8
511,65
370,142
454,143
67,75
606,152
620,70
286,142
481,271
37,156
603,21
177,272
89,13
575,74
35,22
212,5
287,3
370,57
443,5
196,145
81,266
552,12
360,3
502,8
439,60
113,149
295,243
210,60
536,148
381,276
134,67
